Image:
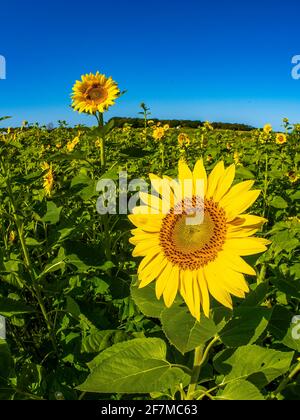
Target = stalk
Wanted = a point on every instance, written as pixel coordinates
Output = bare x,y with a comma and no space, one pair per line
201,355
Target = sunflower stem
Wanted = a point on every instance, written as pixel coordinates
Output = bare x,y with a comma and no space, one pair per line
99,116
200,358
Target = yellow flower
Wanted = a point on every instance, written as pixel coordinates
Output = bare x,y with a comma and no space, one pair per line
197,258
45,166
158,133
208,126
236,157
12,236
281,138
293,176
183,140
166,127
94,92
228,146
268,129
48,181
150,122
8,130
58,145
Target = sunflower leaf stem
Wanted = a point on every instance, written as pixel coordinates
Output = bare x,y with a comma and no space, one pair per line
201,355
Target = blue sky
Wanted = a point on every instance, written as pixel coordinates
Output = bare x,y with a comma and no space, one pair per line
219,60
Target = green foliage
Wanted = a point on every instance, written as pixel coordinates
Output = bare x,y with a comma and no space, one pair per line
76,319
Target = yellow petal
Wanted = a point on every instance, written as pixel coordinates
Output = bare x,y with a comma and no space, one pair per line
184,171
224,183
162,280
215,289
214,177
171,288
246,246
197,296
144,247
152,271
235,262
204,293
187,290
240,204
235,192
200,174
149,223
248,220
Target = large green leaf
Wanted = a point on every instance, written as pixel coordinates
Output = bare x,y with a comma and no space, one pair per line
136,366
253,363
52,214
184,331
146,300
240,391
246,326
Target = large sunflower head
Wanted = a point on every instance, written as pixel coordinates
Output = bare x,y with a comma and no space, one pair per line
94,92
192,239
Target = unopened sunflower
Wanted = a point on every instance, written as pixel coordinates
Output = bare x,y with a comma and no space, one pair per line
197,259
94,92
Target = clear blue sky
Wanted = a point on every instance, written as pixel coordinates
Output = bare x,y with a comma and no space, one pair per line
218,60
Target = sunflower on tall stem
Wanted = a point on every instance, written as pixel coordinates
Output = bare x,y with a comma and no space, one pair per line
94,94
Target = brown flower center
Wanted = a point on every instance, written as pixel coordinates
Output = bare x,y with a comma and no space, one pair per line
189,240
96,93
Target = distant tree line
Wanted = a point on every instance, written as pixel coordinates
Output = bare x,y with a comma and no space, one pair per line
139,123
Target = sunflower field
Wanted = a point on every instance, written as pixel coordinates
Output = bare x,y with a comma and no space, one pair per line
147,303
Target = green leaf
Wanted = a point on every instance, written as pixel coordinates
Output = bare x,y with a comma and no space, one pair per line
184,331
82,256
279,203
146,300
100,340
256,296
256,364
83,186
282,328
137,366
240,391
9,308
53,213
246,326
244,173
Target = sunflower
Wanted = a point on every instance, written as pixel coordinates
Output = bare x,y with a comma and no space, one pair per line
48,179
158,133
94,92
183,140
293,176
281,138
197,259
268,128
